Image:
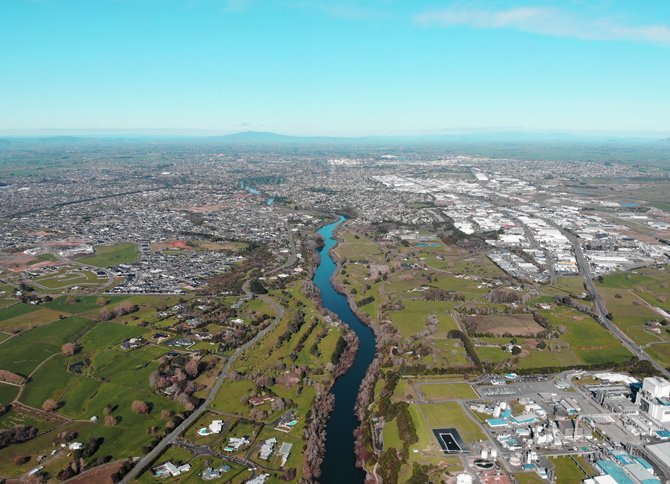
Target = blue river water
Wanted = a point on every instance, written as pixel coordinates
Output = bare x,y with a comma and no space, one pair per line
269,201
339,465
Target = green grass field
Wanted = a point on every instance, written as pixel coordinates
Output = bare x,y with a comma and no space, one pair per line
16,310
81,304
128,368
355,248
582,342
112,255
529,478
443,415
65,279
413,318
660,352
391,435
25,351
107,335
444,391
228,399
567,471
7,393
571,285
41,316
490,351
14,417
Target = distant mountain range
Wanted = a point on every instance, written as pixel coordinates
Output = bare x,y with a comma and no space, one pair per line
270,138
266,137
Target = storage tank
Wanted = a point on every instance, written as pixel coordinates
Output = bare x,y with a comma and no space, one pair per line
464,479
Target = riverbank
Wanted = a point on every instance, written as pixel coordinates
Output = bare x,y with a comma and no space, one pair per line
362,434
340,460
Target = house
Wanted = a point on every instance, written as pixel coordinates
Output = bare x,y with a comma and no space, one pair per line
171,390
159,337
216,426
132,343
259,479
235,443
256,401
194,322
213,428
209,474
183,342
267,448
170,470
509,348
287,421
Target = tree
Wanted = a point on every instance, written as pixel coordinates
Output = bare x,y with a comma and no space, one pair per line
105,315
49,405
125,307
69,349
10,377
140,407
192,367
101,301
257,287
516,350
110,420
21,459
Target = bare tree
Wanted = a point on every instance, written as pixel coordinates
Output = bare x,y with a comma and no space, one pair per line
192,367
105,315
140,406
69,349
49,405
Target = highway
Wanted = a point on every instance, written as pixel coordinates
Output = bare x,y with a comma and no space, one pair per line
585,272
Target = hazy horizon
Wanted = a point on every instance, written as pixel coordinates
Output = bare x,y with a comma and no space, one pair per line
474,134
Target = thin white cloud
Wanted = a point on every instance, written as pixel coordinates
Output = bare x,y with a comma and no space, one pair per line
545,21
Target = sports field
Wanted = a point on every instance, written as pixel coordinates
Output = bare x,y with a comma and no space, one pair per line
112,255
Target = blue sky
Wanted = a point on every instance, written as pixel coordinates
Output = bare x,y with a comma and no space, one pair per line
335,67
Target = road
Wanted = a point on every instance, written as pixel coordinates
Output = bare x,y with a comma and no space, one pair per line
205,450
585,272
293,257
171,438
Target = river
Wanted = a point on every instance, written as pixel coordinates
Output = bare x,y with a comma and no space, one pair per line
339,464
268,201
